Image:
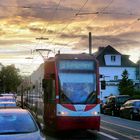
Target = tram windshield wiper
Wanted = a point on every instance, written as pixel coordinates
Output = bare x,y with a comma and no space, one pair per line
91,97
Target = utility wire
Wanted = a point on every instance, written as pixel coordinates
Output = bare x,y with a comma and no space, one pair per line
35,7
127,26
96,13
82,7
66,26
44,28
52,16
100,12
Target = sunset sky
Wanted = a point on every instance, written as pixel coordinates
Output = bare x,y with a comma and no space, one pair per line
66,24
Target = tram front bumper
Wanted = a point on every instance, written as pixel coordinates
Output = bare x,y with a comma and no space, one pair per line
71,123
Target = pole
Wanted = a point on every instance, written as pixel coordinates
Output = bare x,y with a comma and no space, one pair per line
21,96
90,43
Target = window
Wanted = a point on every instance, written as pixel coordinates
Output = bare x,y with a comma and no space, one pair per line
115,77
12,122
77,88
113,58
49,90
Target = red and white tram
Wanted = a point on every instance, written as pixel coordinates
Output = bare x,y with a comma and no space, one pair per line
71,92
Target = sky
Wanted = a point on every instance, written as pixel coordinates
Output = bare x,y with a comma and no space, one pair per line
64,25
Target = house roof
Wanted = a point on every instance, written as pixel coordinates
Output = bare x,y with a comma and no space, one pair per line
125,62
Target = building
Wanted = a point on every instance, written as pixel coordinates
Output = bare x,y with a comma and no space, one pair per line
111,66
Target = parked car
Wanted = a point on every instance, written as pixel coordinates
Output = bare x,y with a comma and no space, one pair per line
8,94
130,109
18,124
7,101
7,104
113,104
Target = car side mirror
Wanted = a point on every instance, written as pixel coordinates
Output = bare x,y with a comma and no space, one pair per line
41,126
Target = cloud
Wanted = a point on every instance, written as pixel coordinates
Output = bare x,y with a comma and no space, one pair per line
21,22
14,41
35,29
119,41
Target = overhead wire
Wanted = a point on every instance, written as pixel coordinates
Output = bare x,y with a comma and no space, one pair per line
100,12
44,27
97,14
54,12
127,26
44,30
79,11
66,26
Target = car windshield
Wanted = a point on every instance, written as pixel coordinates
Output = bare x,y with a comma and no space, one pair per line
16,123
7,100
7,104
78,88
121,100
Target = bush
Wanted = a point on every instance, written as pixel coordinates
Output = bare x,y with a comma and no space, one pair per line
136,94
136,97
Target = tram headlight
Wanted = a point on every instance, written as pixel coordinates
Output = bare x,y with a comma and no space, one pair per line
62,113
95,113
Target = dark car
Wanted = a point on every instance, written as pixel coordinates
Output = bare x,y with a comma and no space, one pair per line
18,124
113,104
130,109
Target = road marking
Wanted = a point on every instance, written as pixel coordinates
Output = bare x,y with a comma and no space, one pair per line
120,118
107,135
118,133
104,134
122,126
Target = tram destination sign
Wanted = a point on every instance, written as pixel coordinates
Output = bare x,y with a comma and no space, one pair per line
76,65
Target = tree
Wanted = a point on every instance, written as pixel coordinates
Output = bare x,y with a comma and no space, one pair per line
9,79
126,86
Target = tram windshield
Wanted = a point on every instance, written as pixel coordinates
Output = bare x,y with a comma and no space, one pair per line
77,82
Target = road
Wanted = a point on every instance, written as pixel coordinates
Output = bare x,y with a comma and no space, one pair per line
120,128
112,128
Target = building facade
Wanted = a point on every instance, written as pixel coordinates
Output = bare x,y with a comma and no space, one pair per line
111,66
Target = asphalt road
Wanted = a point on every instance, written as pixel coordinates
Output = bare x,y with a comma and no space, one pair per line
112,128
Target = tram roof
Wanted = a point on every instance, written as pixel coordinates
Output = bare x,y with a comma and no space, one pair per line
71,56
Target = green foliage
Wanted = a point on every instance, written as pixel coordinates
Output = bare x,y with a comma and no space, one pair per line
9,79
126,86
136,94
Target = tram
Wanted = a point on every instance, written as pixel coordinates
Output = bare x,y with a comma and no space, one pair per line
71,99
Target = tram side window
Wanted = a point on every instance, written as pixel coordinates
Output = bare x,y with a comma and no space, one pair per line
49,90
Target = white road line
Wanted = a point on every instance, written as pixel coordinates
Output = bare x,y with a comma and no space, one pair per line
104,134
118,118
118,133
107,135
122,126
